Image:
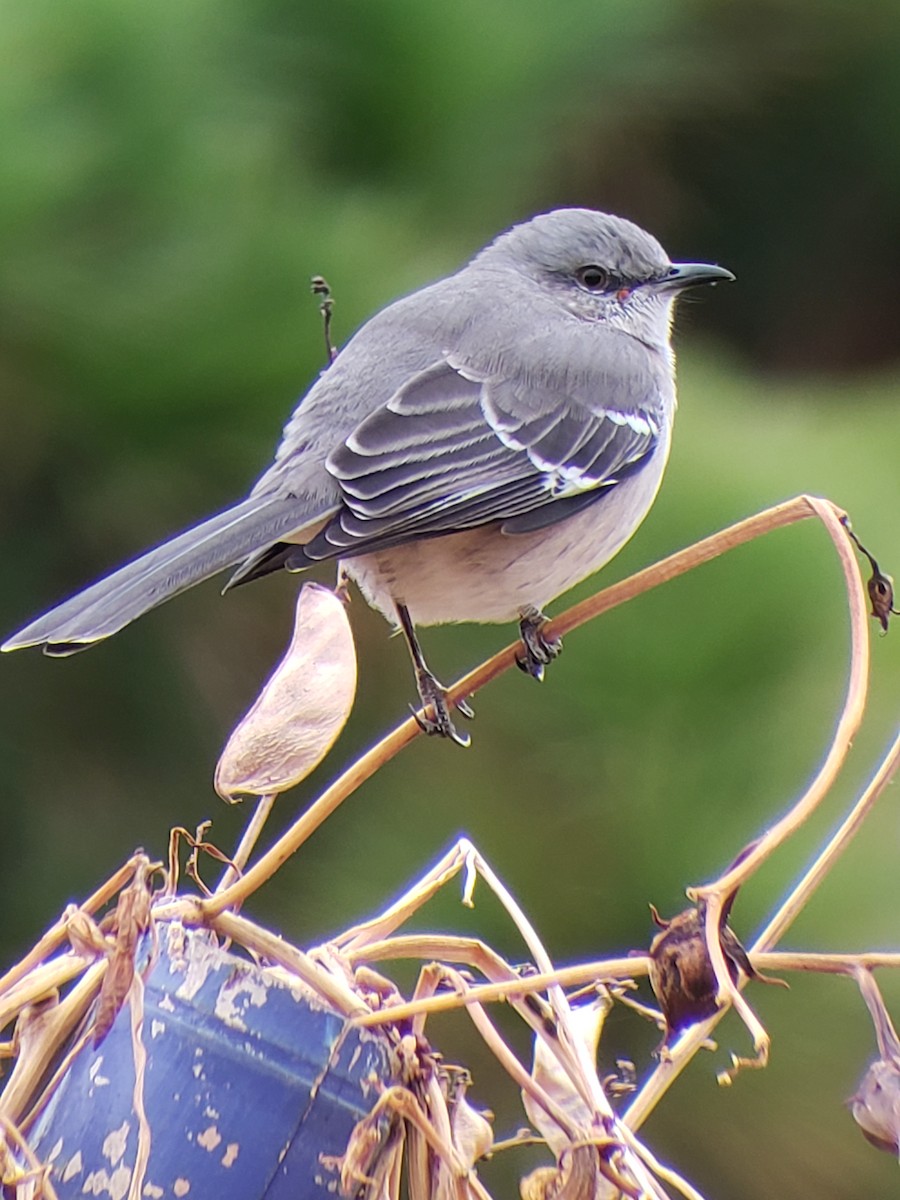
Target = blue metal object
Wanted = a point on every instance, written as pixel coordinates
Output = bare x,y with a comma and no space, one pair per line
248,1081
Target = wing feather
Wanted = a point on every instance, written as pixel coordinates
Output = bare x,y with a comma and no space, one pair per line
455,448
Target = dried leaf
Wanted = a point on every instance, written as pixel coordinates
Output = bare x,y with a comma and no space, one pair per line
301,710
132,919
587,1021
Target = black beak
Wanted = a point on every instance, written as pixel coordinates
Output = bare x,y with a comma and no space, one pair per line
685,275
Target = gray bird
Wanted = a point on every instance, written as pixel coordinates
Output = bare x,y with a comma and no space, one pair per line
476,448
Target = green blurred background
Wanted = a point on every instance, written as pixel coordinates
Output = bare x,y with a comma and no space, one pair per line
171,176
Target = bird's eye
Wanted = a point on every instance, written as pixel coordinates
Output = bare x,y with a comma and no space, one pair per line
594,278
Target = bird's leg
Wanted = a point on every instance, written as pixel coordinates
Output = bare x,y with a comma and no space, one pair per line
539,649
431,690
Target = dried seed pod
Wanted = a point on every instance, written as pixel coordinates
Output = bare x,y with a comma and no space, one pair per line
577,1177
302,708
470,1128
681,973
879,585
876,1105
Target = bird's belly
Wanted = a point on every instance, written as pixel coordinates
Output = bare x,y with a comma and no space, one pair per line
484,575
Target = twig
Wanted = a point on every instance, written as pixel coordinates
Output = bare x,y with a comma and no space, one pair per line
37,1171
248,840
789,513
826,964
254,938
848,723
692,1039
849,827
58,933
717,895
319,287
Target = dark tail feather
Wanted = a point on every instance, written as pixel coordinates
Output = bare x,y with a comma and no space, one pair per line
107,606
264,562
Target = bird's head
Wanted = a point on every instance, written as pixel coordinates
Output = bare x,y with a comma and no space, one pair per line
601,268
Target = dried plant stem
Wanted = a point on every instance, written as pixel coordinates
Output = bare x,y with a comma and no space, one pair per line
790,512
36,1180
666,1174
58,933
250,837
405,1105
41,1041
269,945
514,1068
502,991
359,938
800,894
848,723
464,856
826,964
692,1039
564,1044
41,982
718,895
581,1068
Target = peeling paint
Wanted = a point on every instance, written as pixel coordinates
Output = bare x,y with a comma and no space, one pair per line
73,1167
232,1020
229,1007
202,962
114,1185
55,1152
116,1142
94,1074
119,1183
209,1139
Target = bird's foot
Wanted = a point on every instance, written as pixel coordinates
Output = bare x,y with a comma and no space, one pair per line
439,722
539,648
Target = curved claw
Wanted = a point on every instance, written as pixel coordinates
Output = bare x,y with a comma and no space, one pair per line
539,648
433,695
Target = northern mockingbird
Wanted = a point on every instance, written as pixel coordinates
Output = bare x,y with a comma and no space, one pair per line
474,450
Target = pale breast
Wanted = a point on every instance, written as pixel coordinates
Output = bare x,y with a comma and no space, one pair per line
484,575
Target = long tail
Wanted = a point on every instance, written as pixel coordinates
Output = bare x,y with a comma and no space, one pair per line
107,606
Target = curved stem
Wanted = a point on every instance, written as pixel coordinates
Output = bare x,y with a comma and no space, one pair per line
788,513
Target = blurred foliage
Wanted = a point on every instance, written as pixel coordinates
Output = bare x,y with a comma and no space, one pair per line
172,175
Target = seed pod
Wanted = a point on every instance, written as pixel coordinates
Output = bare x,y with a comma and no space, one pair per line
554,1078
876,1105
681,973
471,1131
301,709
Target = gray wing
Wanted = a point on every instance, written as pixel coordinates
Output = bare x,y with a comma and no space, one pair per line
456,448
